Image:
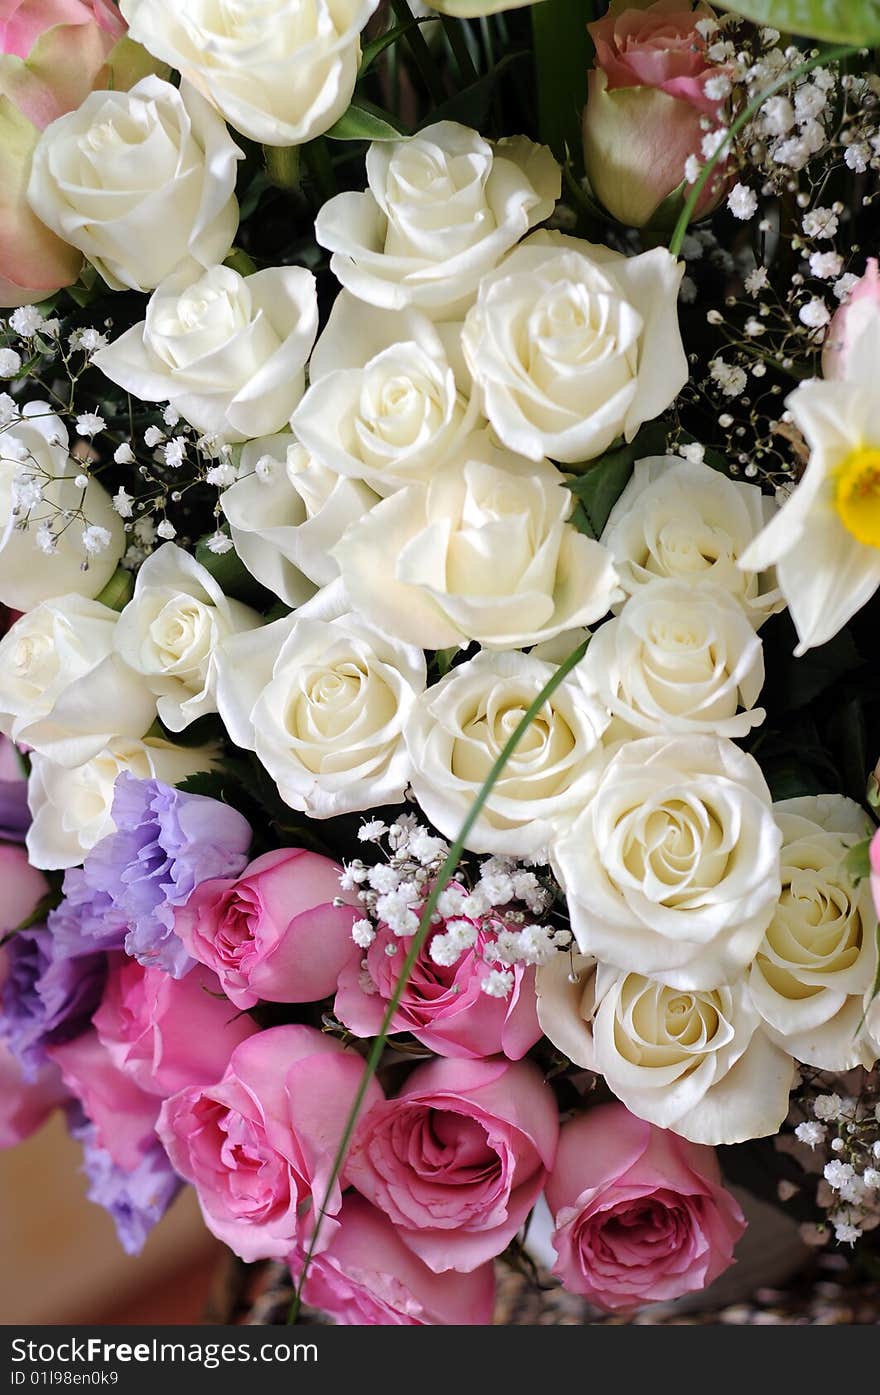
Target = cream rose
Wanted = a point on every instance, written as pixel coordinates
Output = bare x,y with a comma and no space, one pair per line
229,352
694,1062
678,659
678,518
673,867
482,552
286,511
573,345
458,728
43,554
441,209
171,629
142,182
814,972
63,690
323,698
71,808
383,404
280,71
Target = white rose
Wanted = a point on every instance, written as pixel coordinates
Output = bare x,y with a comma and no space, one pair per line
228,352
682,519
285,514
694,1062
574,345
825,539
280,71
482,552
673,867
383,404
441,210
71,808
63,690
171,629
41,553
142,182
458,729
323,699
678,659
814,972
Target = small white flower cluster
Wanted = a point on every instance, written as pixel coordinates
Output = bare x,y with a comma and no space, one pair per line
849,1191
498,907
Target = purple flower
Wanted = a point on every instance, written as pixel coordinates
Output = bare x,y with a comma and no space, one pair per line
15,816
135,1200
46,998
166,843
86,920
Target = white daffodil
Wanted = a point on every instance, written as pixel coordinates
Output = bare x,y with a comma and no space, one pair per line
825,540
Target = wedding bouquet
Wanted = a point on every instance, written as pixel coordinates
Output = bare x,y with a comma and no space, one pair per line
440,529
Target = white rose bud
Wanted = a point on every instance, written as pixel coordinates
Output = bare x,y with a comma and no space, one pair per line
323,699
63,690
458,729
281,72
574,345
482,552
37,485
814,972
673,867
71,808
284,526
142,182
383,404
678,659
171,629
697,1063
228,352
440,211
680,518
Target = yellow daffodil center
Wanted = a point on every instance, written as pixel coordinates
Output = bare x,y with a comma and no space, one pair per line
857,498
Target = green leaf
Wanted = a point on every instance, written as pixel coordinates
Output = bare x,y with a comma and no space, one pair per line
471,105
858,861
598,490
254,192
363,121
793,683
837,21
372,50
563,50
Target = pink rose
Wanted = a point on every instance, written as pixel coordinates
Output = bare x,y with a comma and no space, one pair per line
640,1213
124,1115
273,932
22,888
853,338
647,97
444,1006
52,54
259,1146
25,1105
168,1033
458,1159
367,1277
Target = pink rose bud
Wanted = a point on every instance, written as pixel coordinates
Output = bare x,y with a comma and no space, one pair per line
647,97
367,1277
459,1158
123,1114
25,1105
168,1033
274,932
853,337
52,54
640,1213
259,1146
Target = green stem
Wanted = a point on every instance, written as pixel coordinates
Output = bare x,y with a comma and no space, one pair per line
282,165
444,877
320,167
830,55
421,53
457,40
